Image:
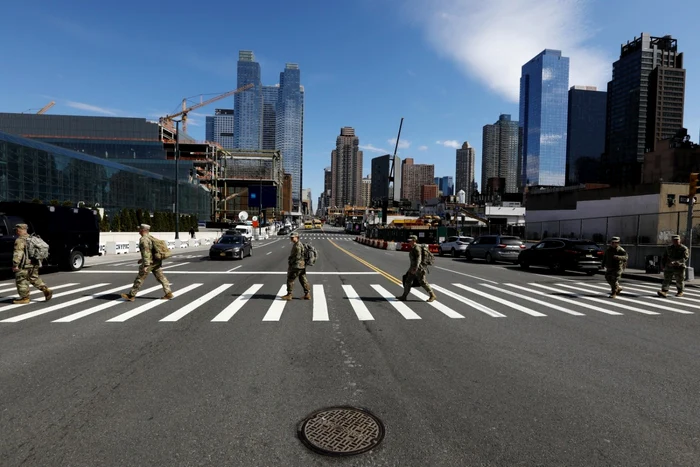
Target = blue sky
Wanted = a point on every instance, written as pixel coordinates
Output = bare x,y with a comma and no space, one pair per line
447,66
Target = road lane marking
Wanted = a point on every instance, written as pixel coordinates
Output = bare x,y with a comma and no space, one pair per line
467,275
190,307
357,304
176,265
268,253
449,312
651,303
320,312
507,303
228,312
371,266
678,301
262,273
610,302
274,313
233,269
401,307
32,314
58,295
563,299
104,306
34,292
154,303
469,302
534,300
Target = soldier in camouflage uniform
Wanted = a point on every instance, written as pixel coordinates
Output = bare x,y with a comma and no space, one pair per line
614,260
26,270
148,264
297,268
674,266
415,272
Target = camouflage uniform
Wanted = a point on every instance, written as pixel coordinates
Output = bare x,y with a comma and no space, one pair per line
415,255
297,269
149,264
679,254
28,269
614,266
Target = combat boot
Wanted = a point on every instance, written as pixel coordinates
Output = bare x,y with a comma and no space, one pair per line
661,293
619,289
287,297
432,297
679,294
307,295
401,298
167,296
21,301
48,293
613,294
127,297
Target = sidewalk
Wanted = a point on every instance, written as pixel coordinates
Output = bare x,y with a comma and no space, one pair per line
641,275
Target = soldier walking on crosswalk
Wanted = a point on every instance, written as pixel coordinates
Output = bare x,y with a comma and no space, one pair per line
416,272
26,269
297,269
673,263
614,261
148,264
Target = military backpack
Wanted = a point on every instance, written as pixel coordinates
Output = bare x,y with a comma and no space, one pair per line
426,257
310,255
37,249
160,249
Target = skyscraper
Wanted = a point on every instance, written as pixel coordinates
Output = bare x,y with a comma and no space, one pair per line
366,190
464,174
413,177
219,128
645,104
290,125
381,168
544,85
248,105
346,169
585,140
445,185
305,197
501,152
270,97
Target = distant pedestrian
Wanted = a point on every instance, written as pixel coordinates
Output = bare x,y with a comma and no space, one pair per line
614,261
673,263
297,269
26,269
148,264
192,232
416,271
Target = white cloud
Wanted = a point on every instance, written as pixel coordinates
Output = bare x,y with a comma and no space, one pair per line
490,41
449,144
403,144
90,108
371,148
423,148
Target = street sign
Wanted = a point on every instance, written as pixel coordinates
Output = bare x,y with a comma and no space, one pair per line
685,199
255,218
243,216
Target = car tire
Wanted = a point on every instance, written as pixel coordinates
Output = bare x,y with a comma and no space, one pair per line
76,260
489,258
250,252
557,267
468,256
441,252
454,253
524,265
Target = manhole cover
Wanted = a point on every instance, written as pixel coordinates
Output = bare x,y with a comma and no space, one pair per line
341,431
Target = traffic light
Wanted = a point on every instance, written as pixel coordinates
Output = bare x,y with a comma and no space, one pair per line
693,184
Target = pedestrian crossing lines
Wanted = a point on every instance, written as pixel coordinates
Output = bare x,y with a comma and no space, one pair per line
365,302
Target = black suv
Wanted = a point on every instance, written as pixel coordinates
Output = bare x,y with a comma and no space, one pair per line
561,254
72,233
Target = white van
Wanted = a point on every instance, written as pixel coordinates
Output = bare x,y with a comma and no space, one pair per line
245,230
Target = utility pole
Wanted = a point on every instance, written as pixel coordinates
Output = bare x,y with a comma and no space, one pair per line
177,181
692,190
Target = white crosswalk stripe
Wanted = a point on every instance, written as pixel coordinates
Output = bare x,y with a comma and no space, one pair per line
609,302
686,293
401,307
357,304
274,313
148,306
57,295
534,300
566,300
684,301
104,306
653,303
190,307
471,303
502,301
237,304
447,311
320,307
34,292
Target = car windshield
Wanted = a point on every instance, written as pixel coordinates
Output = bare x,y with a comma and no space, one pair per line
231,240
584,244
511,241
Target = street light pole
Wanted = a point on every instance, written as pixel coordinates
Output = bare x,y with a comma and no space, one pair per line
177,182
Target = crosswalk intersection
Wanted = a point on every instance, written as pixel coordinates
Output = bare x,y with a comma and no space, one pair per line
364,301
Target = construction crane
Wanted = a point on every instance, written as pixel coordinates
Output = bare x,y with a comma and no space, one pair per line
46,107
167,121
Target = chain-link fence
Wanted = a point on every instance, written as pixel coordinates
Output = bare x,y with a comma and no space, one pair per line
634,229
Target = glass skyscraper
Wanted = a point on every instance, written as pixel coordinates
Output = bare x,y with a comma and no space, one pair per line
290,126
220,128
248,105
270,96
544,87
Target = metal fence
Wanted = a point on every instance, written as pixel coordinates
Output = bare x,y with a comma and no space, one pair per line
633,229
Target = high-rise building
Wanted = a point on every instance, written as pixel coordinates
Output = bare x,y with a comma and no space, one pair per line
270,97
413,177
585,140
464,174
327,180
381,168
645,104
346,169
544,85
366,190
500,153
445,185
219,128
290,125
305,198
248,105
428,192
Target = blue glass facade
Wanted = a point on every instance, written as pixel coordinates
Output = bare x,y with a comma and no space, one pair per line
270,97
544,86
290,126
248,105
446,185
585,141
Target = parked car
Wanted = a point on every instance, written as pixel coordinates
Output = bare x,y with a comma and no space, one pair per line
231,246
494,248
72,233
561,254
284,231
455,246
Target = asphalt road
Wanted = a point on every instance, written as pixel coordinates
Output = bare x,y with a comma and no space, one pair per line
507,368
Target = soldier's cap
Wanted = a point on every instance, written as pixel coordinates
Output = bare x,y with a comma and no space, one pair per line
413,237
144,227
615,239
21,226
676,237
293,234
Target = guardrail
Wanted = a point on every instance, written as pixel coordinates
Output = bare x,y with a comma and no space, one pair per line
386,245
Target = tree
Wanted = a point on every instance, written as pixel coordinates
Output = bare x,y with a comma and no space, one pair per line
67,204
104,224
54,202
116,222
37,201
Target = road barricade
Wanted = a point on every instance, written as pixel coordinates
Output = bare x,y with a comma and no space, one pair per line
433,248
